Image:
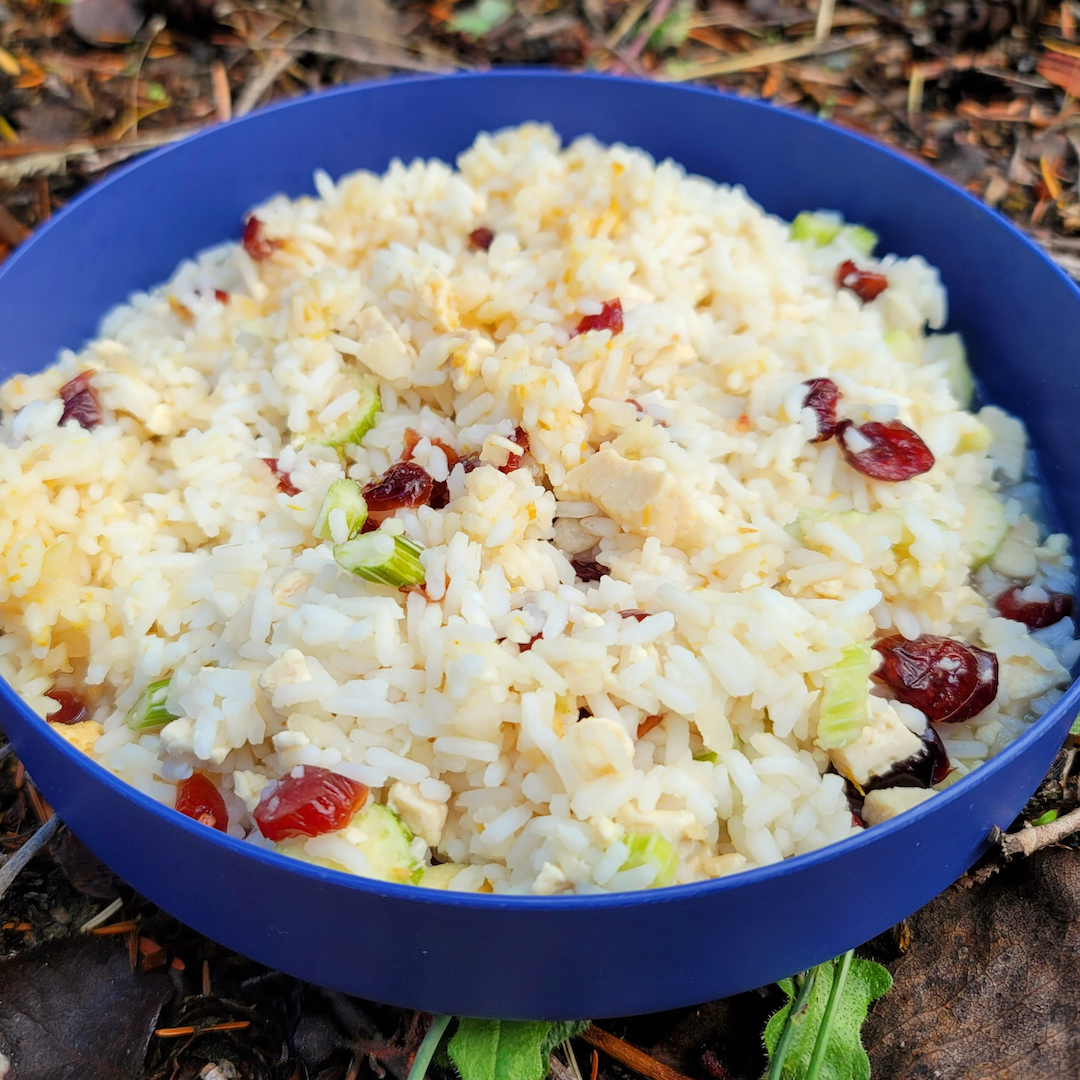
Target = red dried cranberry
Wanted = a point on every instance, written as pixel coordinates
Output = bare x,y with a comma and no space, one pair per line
412,437
822,397
284,482
929,765
639,615
947,680
895,452
610,318
647,725
470,461
1034,614
81,402
404,484
530,643
315,802
256,243
481,238
196,797
221,296
513,461
589,569
440,495
865,284
371,523
72,707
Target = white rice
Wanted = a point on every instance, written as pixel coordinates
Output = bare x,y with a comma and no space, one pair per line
158,543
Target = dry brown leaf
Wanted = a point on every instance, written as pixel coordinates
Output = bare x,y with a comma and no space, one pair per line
990,989
1061,70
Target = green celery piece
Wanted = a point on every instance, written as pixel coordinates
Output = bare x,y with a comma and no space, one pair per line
481,18
707,755
862,239
653,847
382,558
358,421
843,1057
508,1049
843,713
149,712
344,495
984,526
819,228
949,349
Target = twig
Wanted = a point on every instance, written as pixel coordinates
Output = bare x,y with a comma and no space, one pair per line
102,915
259,83
153,27
219,84
369,52
629,1055
629,20
770,54
189,1029
656,17
823,26
15,864
1034,838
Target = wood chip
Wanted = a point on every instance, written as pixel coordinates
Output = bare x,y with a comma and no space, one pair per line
17,862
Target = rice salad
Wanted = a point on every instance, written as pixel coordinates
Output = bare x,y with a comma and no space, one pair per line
554,523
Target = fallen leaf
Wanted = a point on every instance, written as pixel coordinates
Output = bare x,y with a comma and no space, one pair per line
86,872
990,989
1061,70
73,1010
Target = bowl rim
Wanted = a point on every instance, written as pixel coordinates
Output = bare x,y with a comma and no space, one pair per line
377,888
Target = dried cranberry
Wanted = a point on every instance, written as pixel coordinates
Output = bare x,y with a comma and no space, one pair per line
221,296
610,318
481,238
822,397
1034,614
895,452
589,569
196,797
371,523
315,802
470,461
284,482
256,243
72,707
513,461
81,402
647,725
947,680
639,615
530,643
440,495
404,484
865,284
925,768
412,437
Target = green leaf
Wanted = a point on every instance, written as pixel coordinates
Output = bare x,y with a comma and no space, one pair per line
483,17
1075,729
673,29
1045,819
844,1057
508,1049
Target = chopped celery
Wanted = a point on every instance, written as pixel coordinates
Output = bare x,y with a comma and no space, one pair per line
984,526
386,843
707,755
652,847
344,495
819,228
149,712
843,713
439,877
948,350
902,345
382,558
861,238
356,423
863,528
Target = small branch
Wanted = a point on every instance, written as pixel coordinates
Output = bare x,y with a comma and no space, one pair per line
259,83
1034,838
629,1055
17,862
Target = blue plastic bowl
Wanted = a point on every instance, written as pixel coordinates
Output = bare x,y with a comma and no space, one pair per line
564,957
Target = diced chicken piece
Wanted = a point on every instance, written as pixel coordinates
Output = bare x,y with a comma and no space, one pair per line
380,347
290,668
1015,556
1022,678
638,494
437,301
82,735
882,744
248,787
424,816
1010,442
178,736
885,803
289,584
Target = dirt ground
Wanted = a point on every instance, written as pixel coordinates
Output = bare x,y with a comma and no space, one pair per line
987,977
